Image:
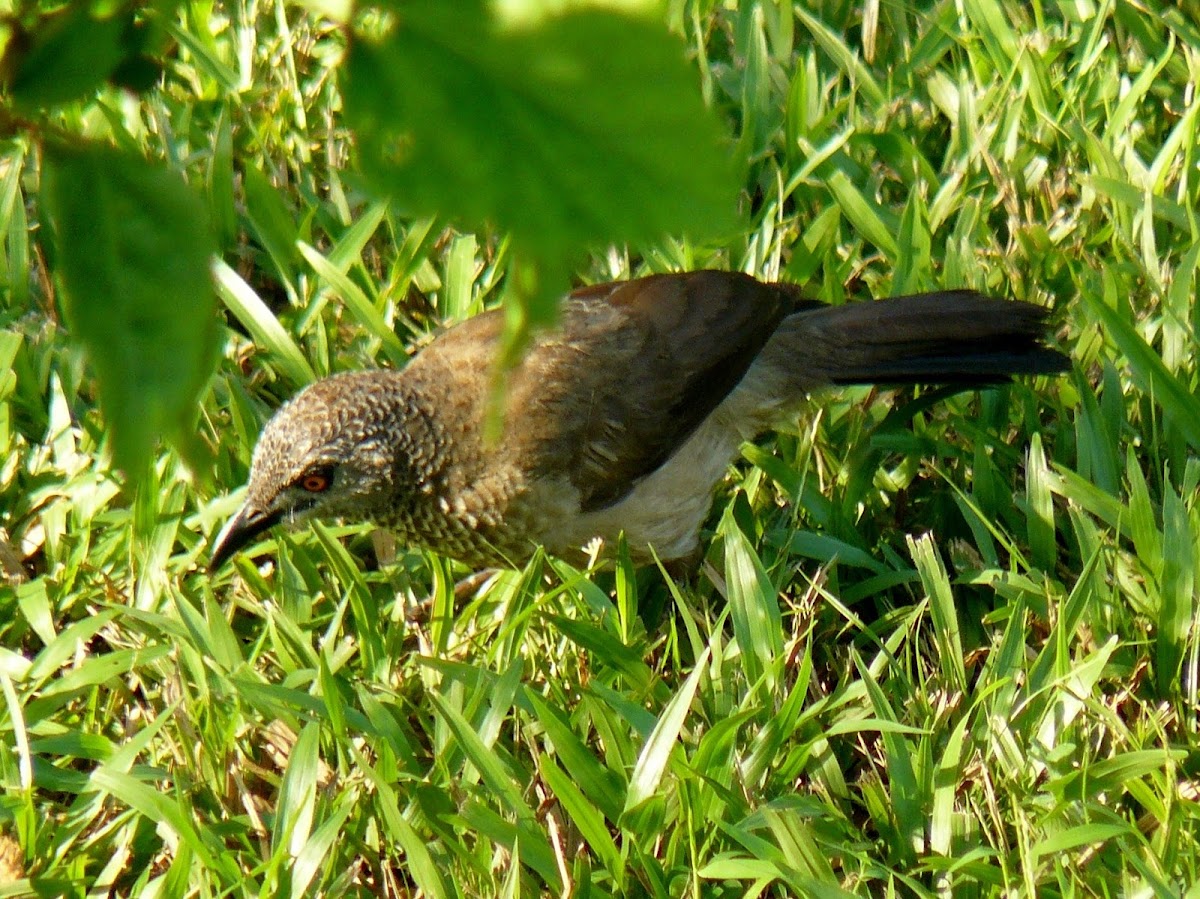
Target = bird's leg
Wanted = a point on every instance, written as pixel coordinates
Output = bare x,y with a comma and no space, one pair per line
418,612
685,569
383,542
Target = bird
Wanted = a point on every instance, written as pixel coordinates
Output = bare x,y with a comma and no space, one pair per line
622,418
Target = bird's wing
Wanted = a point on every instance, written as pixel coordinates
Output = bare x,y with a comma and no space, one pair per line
634,369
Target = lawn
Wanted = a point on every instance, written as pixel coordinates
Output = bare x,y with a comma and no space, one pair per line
942,644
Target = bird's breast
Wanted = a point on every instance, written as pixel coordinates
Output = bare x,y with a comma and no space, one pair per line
491,516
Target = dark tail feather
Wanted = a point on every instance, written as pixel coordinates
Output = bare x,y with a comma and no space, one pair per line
957,337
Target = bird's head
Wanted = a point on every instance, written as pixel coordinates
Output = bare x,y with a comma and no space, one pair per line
336,450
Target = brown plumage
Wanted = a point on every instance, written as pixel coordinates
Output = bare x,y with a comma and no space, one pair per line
621,419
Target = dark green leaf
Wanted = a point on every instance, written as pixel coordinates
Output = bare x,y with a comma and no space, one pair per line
270,221
134,253
137,73
545,131
65,57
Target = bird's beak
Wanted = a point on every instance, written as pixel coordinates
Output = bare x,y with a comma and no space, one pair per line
247,524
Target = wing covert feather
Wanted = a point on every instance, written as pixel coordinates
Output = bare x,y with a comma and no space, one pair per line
635,368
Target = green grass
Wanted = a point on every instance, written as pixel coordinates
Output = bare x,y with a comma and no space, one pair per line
938,648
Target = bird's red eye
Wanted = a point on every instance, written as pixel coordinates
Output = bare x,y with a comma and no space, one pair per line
315,482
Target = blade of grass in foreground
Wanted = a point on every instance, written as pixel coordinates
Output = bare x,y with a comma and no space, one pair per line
249,309
652,763
753,604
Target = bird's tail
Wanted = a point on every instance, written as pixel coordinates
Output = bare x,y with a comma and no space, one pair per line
955,337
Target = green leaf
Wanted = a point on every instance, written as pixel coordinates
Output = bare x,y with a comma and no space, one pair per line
941,607
608,650
1080,835
914,266
865,215
323,843
418,859
800,849
997,35
158,806
908,799
1177,593
532,129
134,254
846,59
753,604
298,791
271,222
585,816
599,784
359,304
67,56
498,779
1043,545
256,317
1149,372
652,763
